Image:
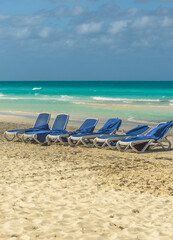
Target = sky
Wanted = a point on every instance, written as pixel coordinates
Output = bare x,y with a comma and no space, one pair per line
86,40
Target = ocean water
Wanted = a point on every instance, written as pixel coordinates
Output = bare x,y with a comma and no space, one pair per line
129,100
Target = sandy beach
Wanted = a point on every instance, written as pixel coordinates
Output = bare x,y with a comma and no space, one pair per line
59,192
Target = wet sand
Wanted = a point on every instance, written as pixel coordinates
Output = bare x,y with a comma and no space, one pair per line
59,192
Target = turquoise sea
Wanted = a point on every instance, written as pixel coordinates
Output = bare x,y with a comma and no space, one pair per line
129,100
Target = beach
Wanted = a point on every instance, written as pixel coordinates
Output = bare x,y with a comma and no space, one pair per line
59,192
79,74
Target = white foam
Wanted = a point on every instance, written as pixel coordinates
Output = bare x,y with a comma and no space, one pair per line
66,97
72,99
78,103
77,100
14,98
36,88
131,119
6,97
125,99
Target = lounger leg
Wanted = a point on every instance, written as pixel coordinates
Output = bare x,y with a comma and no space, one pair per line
96,144
9,139
60,139
82,140
108,142
122,149
53,140
48,140
26,140
160,142
78,142
35,138
132,145
104,145
19,137
70,141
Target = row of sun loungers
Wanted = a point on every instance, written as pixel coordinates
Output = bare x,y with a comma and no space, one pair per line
85,135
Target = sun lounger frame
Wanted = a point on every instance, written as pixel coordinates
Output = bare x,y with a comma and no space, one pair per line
30,137
18,134
150,143
107,142
85,140
60,138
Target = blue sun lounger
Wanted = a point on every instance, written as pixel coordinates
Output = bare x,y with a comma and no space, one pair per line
155,137
58,126
110,127
111,140
87,127
40,124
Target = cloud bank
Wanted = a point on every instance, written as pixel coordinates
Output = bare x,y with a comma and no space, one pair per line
78,25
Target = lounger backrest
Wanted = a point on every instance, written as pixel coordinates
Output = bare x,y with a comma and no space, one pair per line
88,124
137,130
42,119
60,122
111,126
160,131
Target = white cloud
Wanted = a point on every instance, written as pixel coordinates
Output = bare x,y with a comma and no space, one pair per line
60,12
107,26
141,43
117,26
88,28
63,12
20,33
27,20
143,22
132,11
3,17
69,43
167,22
77,11
45,32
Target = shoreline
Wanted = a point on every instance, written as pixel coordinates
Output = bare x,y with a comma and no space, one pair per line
19,115
130,113
29,118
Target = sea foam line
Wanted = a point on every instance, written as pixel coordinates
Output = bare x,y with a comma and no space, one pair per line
80,100
125,99
131,119
62,98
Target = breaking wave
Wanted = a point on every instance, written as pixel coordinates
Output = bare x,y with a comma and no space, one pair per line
82,100
127,100
38,97
36,88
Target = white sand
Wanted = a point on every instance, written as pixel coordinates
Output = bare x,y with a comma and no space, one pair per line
59,192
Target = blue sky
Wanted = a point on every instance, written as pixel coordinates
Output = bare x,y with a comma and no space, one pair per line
86,40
